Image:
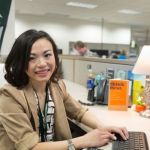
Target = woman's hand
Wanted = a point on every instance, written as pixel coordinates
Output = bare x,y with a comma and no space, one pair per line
120,130
100,137
97,138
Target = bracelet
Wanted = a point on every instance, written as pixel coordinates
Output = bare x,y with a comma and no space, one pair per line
70,145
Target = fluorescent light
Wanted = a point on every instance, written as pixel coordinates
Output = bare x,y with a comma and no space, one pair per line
128,11
78,4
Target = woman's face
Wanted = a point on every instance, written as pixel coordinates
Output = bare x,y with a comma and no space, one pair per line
41,61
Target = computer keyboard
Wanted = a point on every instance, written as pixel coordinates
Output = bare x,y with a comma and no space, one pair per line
136,141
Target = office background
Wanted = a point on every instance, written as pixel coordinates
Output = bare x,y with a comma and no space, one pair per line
65,29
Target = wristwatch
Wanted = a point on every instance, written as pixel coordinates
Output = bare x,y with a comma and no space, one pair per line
70,145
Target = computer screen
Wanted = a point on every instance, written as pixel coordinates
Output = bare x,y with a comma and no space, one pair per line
4,12
115,52
101,52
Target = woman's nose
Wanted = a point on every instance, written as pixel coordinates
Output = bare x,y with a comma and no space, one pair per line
41,61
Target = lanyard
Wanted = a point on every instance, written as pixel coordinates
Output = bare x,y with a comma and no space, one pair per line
42,116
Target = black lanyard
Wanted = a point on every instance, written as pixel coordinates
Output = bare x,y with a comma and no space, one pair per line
42,116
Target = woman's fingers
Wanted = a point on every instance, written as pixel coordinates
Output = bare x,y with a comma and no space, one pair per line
109,136
120,130
124,133
99,138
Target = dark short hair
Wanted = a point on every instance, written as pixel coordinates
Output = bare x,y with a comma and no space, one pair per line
17,60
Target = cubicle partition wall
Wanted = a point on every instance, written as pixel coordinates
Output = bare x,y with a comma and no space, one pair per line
75,68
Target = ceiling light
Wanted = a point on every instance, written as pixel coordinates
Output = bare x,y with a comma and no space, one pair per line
130,12
78,4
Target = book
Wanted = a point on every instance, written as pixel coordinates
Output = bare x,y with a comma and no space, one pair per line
138,86
130,76
137,89
118,96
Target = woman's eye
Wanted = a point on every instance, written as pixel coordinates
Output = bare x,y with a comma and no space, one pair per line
31,58
48,55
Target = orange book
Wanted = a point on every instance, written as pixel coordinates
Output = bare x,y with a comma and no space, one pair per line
118,94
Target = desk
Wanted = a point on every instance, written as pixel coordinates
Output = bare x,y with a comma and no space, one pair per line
129,119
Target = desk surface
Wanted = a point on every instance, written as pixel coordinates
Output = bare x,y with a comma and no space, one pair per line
130,119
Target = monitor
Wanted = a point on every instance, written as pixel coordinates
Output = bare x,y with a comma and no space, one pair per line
115,52
101,52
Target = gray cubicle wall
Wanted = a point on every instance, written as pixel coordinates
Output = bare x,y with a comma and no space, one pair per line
75,67
81,73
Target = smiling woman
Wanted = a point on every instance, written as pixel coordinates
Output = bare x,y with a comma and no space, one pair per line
41,61
35,106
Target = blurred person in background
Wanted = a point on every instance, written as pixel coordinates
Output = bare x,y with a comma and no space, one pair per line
122,55
79,49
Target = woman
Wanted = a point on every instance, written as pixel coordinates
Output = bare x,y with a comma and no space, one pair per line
34,105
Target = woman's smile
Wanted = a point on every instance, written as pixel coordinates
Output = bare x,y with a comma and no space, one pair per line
43,72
